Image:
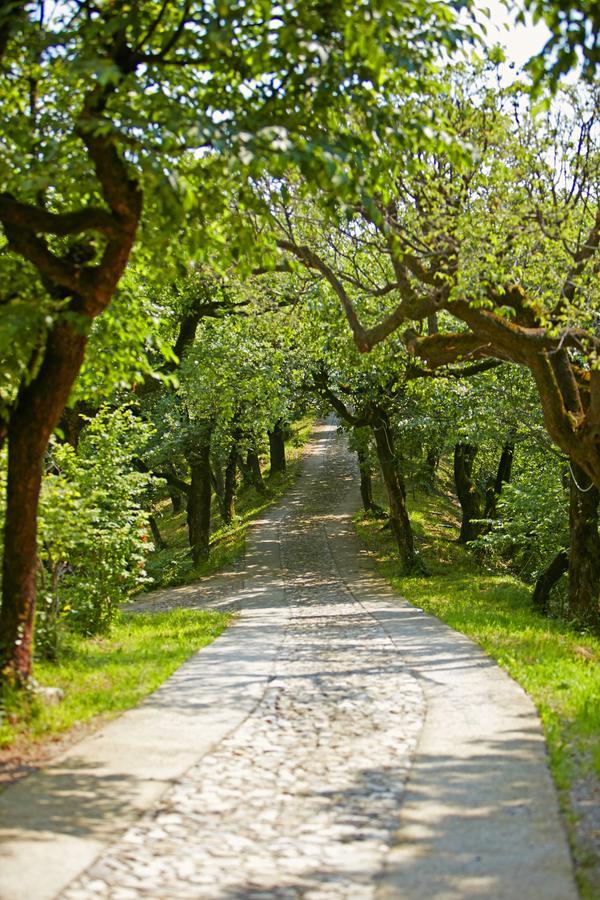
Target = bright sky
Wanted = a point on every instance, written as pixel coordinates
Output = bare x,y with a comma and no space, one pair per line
520,41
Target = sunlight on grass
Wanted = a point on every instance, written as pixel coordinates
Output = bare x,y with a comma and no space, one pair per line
106,675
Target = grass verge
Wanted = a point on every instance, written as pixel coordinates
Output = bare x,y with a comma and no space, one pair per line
173,565
103,676
556,663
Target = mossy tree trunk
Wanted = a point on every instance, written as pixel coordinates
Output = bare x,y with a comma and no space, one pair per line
199,498
584,554
395,487
467,492
277,449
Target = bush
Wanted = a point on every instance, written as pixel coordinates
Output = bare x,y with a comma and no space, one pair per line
93,532
532,524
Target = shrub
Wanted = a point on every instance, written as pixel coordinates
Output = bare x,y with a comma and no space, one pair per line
93,532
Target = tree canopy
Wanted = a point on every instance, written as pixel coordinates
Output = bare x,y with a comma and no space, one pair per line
197,200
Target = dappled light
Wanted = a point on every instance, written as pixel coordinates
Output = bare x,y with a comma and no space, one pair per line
299,450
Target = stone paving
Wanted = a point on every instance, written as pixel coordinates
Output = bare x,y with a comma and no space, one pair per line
302,799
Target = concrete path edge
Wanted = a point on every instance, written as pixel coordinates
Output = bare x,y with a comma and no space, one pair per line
55,823
480,818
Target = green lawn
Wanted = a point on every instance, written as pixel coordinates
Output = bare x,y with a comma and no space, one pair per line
106,675
558,664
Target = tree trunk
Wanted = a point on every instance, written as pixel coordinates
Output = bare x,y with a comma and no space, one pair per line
158,539
229,486
40,403
277,449
253,471
366,481
468,494
199,497
432,324
432,461
36,414
546,581
503,476
176,500
244,471
584,555
74,420
218,482
396,491
176,497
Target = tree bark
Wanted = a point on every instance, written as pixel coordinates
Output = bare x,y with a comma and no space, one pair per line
253,471
229,486
277,449
199,498
176,497
584,555
74,420
396,490
432,461
546,581
36,414
176,500
467,491
218,482
366,481
158,539
503,476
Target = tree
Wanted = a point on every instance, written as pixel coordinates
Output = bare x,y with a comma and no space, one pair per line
472,234
102,104
574,40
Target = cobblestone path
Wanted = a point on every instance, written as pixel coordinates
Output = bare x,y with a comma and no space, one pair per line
302,799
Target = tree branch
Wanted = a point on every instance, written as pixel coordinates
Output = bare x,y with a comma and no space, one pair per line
589,248
171,479
312,261
35,249
40,221
443,349
322,386
462,372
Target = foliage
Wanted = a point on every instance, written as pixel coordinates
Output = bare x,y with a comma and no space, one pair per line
469,228
533,522
93,535
574,40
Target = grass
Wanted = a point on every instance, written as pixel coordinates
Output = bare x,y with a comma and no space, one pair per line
173,565
103,676
557,663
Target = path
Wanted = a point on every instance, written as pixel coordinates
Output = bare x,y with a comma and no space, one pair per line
274,764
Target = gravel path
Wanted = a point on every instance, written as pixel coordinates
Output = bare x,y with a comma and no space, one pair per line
302,799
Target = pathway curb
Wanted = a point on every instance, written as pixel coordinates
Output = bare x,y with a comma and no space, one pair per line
480,817
55,822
